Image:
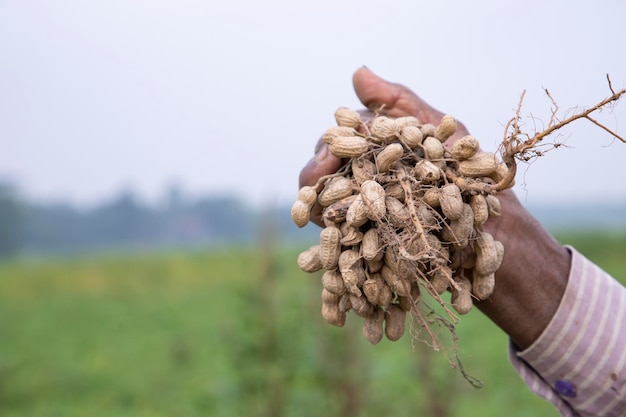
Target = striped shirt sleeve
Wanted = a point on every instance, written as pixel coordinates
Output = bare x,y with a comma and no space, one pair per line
579,361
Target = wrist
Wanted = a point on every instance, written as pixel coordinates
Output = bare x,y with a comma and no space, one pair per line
532,278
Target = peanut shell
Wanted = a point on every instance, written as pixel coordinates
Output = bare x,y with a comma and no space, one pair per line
395,322
348,146
333,314
300,213
330,247
404,121
357,214
333,282
373,195
486,254
351,268
374,265
335,190
426,171
478,203
371,245
336,212
309,260
347,117
361,306
363,169
371,289
411,136
428,129
440,279
464,148
394,281
383,130
459,231
373,326
337,131
451,201
483,285
351,235
493,203
480,165
388,156
433,149
397,213
462,295
446,128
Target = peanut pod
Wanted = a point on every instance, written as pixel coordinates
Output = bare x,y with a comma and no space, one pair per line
446,128
333,282
363,169
335,190
351,268
347,117
348,146
451,201
462,295
395,322
388,156
483,285
383,130
464,148
411,136
309,260
334,132
459,231
487,261
371,245
357,214
479,206
336,212
361,306
480,165
300,213
333,314
373,326
330,247
373,195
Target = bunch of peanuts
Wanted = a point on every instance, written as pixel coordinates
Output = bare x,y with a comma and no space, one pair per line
403,215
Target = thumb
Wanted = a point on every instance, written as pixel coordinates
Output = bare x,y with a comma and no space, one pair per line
395,99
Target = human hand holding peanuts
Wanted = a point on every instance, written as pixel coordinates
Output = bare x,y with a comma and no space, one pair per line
532,268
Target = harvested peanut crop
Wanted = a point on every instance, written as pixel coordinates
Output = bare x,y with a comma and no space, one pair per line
403,219
403,216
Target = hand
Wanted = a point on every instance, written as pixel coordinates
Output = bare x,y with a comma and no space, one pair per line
533,275
374,92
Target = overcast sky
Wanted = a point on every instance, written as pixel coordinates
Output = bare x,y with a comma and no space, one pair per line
230,96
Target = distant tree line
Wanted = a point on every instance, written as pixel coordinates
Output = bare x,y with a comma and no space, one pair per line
126,223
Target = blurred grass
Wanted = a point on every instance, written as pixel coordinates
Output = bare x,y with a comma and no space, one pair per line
232,332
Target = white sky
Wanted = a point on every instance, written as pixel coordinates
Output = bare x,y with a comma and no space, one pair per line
231,96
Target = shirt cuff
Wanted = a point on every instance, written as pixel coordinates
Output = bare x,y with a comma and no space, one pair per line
578,362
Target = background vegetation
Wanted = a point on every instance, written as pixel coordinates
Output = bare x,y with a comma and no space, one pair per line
231,331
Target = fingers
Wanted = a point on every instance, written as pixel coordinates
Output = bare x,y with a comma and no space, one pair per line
323,163
375,92
396,100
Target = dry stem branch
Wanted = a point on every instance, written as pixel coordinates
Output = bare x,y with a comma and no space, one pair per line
515,148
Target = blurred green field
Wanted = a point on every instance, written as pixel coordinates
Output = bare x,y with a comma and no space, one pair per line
232,332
